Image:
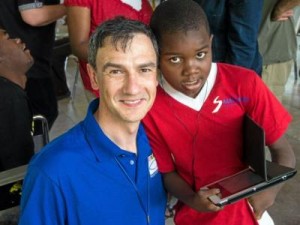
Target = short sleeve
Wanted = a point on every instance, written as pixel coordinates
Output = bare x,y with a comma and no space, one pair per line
82,3
29,4
42,201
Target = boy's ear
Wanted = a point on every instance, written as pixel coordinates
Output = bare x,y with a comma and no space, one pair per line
93,77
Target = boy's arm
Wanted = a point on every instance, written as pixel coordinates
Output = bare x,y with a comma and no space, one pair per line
177,187
282,153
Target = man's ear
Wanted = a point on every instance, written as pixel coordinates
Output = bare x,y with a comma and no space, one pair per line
93,77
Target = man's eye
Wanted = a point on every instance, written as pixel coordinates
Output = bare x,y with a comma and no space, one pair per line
145,70
200,55
115,72
175,60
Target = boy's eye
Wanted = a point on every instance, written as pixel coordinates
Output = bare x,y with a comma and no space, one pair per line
200,55
175,60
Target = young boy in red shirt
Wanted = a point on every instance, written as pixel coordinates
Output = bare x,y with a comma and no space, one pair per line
195,124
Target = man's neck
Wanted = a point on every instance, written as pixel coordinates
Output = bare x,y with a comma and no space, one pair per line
122,134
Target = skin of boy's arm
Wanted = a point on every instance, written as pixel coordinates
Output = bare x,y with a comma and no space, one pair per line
283,6
199,201
79,19
44,15
282,153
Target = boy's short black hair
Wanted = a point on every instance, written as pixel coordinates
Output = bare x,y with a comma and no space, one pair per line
178,16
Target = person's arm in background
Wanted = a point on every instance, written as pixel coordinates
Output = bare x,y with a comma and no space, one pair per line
284,9
38,14
282,153
79,19
243,23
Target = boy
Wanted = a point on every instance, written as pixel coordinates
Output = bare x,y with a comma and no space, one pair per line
195,124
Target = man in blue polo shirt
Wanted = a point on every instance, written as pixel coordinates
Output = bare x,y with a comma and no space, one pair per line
102,171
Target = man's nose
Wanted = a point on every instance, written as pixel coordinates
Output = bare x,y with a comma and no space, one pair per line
132,84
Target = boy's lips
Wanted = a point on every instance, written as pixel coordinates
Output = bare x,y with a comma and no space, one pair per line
192,84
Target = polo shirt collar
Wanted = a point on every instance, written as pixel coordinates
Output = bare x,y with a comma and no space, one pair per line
102,147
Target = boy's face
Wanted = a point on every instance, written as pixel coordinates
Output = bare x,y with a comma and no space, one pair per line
185,60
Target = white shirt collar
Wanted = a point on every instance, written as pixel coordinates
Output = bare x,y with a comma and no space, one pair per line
136,4
197,102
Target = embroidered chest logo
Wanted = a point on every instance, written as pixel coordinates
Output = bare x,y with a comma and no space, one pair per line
228,102
152,165
218,103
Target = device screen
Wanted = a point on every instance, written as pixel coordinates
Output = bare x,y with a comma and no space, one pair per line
236,183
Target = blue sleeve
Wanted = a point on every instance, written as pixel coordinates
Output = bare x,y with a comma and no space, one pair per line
244,18
42,201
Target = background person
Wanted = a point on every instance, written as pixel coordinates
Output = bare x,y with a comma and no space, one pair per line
15,112
85,15
34,22
278,43
235,25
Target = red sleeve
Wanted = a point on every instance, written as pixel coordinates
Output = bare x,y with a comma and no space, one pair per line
83,3
267,111
146,12
156,131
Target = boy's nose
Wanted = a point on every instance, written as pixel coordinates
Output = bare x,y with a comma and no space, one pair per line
190,67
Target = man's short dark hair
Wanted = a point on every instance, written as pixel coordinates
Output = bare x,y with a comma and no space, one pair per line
121,31
178,16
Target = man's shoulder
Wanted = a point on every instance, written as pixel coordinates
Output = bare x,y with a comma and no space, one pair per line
63,150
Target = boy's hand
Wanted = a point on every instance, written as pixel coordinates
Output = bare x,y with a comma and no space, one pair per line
203,204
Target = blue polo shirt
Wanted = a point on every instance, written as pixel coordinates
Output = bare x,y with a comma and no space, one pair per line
83,178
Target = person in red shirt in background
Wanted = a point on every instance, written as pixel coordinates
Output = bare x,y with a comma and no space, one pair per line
85,15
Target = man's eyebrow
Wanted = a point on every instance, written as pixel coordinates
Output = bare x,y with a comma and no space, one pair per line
149,64
109,64
118,66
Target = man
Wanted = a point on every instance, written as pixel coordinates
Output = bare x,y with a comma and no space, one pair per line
34,22
15,112
102,171
278,43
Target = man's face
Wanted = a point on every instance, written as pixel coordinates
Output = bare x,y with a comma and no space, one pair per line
13,53
127,79
185,60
